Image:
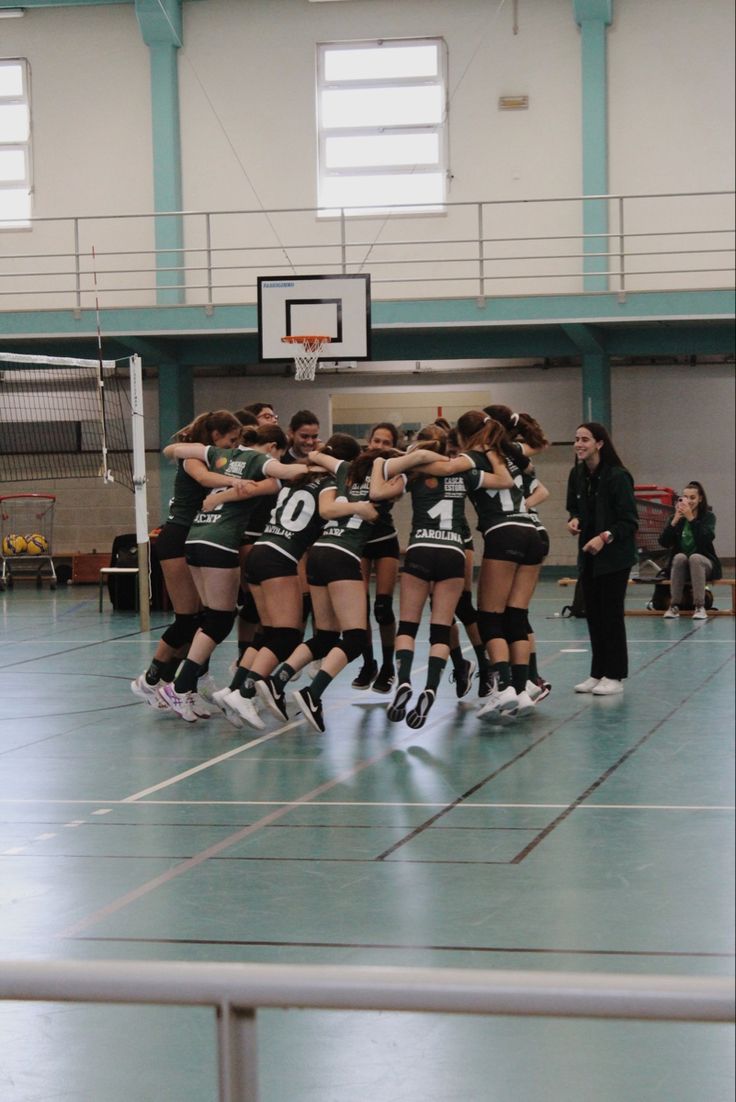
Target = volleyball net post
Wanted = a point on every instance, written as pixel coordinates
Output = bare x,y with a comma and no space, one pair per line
68,418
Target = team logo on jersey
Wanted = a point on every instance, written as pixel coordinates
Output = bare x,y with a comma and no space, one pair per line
431,483
221,461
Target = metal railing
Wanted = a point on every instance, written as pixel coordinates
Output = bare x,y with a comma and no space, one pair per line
664,241
236,991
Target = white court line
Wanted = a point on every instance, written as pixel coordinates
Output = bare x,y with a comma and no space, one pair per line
207,764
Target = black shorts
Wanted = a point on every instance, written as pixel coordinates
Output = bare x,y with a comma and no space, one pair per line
265,563
204,554
328,564
170,541
519,543
434,564
544,537
385,548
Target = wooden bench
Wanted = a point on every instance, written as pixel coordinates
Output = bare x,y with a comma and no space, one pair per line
665,581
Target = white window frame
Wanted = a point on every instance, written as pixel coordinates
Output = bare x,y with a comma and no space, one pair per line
26,181
329,175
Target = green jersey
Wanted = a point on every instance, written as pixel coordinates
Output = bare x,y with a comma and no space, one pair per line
225,525
351,533
496,507
295,522
438,511
188,497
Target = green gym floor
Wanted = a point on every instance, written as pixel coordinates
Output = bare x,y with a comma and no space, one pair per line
596,835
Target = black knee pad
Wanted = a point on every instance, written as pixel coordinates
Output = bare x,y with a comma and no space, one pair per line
465,610
383,609
490,626
282,641
353,642
248,610
182,631
408,627
515,621
322,643
217,624
439,634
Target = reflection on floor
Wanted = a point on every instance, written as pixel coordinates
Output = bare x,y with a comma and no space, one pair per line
594,835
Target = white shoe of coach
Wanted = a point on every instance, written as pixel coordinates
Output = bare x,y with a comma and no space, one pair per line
608,686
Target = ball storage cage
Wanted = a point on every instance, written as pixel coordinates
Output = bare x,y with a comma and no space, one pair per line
26,538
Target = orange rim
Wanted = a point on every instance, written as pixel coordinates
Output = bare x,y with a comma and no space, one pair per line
306,337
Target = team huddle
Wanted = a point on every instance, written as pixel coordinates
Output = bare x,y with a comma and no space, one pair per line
283,534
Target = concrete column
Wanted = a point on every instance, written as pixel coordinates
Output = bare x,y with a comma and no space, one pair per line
161,27
597,388
594,17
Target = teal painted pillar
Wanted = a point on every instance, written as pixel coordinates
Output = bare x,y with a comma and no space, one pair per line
175,409
161,26
594,17
597,388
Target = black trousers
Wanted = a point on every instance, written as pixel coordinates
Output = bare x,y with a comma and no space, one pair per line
604,611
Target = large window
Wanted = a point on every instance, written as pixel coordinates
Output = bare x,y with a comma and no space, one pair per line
382,120
15,145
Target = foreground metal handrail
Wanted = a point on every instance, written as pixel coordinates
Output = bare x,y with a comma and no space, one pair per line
236,991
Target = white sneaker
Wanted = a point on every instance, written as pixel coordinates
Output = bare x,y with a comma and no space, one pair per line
220,699
672,613
608,686
200,707
524,704
588,685
503,702
207,687
181,703
147,692
245,708
700,613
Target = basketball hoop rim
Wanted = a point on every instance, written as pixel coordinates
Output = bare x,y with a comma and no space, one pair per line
304,338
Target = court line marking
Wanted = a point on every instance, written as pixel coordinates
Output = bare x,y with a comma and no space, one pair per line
475,806
225,843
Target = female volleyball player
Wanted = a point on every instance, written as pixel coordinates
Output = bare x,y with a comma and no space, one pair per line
435,558
274,582
528,435
602,508
212,552
193,480
336,584
381,556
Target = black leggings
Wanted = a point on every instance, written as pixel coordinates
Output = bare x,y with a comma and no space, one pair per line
604,610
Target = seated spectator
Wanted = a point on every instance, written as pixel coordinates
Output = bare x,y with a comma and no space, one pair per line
689,537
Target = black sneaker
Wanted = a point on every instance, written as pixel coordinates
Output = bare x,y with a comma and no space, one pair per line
463,678
310,709
417,717
385,680
366,675
274,700
543,689
397,709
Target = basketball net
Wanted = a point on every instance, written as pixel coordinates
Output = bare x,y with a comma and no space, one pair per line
306,350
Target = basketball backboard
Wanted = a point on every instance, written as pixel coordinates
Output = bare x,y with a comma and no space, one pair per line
336,306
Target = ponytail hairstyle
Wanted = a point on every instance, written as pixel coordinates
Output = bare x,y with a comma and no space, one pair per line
248,436
703,505
443,423
271,434
519,426
599,432
433,437
200,430
362,465
479,432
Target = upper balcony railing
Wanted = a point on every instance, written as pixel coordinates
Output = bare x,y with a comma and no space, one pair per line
656,242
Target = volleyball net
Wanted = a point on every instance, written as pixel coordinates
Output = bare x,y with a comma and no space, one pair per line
66,418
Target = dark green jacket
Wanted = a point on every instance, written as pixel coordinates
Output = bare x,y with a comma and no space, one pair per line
704,531
615,512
